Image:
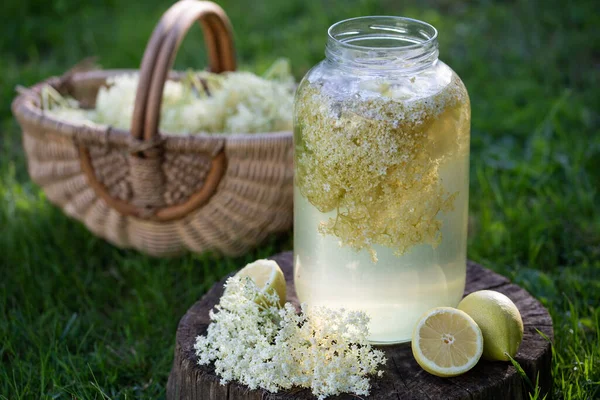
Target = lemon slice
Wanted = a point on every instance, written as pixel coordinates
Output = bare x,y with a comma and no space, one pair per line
447,342
267,276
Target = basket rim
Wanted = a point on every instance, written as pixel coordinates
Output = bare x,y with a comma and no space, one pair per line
27,111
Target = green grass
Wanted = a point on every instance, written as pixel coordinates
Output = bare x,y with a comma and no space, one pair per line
82,319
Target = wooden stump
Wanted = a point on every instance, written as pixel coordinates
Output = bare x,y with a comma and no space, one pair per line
403,378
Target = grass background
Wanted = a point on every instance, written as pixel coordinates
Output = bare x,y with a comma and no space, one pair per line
82,319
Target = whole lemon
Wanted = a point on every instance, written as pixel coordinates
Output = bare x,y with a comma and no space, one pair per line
499,320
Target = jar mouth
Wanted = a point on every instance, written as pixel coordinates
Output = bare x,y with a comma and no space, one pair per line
382,45
382,33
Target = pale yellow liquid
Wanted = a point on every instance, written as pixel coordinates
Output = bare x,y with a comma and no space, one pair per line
396,290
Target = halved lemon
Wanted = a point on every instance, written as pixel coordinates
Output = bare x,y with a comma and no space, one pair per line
447,342
267,276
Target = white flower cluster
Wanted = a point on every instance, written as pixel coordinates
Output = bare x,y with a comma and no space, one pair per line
115,102
261,345
232,102
374,161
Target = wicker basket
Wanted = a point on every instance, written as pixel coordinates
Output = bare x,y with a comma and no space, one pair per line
157,193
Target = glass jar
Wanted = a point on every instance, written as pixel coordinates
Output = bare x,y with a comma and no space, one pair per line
381,186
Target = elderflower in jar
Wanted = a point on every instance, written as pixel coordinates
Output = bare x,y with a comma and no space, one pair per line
381,176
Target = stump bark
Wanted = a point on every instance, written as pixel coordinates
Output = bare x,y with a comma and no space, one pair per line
403,378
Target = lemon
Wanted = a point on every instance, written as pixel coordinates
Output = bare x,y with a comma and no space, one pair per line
499,320
446,342
267,276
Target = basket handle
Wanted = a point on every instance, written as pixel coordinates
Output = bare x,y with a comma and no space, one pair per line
145,75
156,66
156,63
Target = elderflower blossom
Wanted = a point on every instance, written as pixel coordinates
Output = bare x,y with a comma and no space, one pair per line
375,161
263,346
115,102
230,102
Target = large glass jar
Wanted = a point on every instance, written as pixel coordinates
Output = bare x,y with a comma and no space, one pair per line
381,176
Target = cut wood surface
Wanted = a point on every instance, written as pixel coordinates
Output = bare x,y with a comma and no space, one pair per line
403,378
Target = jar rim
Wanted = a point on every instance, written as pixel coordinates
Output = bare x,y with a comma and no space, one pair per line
395,24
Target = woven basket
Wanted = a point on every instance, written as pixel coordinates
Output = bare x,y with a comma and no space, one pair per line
157,193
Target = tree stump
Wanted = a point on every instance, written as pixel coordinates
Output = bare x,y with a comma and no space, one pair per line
403,378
